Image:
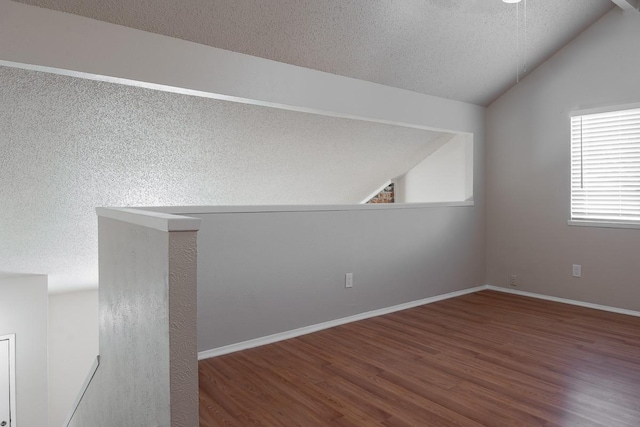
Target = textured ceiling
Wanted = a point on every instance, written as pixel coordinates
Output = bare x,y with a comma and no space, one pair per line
458,49
68,145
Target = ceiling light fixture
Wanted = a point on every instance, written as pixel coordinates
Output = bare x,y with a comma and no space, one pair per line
511,1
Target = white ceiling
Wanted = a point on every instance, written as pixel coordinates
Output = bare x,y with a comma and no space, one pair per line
68,145
458,49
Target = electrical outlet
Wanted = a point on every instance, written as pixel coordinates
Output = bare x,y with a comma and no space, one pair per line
512,281
577,270
348,280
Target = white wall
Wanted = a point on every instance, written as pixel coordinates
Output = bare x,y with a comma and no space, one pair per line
73,347
528,172
148,364
445,176
23,311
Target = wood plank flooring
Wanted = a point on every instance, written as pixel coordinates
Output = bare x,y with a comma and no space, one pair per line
484,359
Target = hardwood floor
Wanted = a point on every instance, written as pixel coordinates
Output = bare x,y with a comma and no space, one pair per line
484,359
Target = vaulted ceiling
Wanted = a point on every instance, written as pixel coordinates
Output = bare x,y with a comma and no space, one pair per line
457,49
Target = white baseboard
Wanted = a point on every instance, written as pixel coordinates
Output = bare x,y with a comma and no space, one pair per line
231,348
565,301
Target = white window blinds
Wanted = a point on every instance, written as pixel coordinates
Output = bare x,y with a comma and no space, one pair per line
605,167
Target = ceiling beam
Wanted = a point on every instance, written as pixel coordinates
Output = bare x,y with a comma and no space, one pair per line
45,40
627,4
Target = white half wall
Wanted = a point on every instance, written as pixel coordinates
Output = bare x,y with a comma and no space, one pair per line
73,346
528,172
23,312
148,362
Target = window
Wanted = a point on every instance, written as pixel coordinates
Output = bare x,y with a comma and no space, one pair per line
605,166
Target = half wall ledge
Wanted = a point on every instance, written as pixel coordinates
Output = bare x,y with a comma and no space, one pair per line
155,220
226,209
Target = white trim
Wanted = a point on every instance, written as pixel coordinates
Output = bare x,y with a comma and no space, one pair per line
270,339
604,224
83,390
199,210
13,413
156,220
626,5
565,301
604,109
210,95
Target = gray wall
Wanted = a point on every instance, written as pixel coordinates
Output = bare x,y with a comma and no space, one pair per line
528,193
262,273
23,312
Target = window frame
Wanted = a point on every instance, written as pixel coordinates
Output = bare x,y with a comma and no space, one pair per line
628,224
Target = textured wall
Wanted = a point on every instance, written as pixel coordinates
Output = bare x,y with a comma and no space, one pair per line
131,386
148,364
23,311
528,173
183,329
68,145
73,346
